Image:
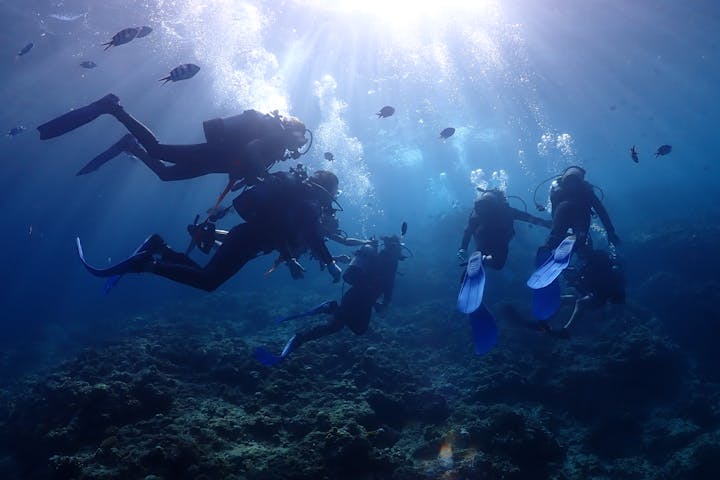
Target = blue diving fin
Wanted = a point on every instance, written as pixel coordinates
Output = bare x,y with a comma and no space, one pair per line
325,307
554,265
152,244
545,300
269,359
132,264
471,292
484,329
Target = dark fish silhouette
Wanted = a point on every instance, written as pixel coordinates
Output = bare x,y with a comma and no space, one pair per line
182,72
634,154
403,229
447,133
386,111
25,49
122,37
329,156
88,64
15,131
143,32
663,150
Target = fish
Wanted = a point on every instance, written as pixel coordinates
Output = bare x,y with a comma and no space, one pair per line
122,37
634,154
88,64
69,17
329,156
15,131
182,72
386,111
143,32
447,133
25,49
663,150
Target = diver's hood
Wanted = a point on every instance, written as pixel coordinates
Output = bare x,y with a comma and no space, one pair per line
573,173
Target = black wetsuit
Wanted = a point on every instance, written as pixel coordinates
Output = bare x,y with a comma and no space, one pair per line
277,211
369,283
572,205
599,278
491,224
256,143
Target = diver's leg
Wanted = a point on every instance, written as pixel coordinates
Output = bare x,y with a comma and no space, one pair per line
190,160
333,326
240,246
356,308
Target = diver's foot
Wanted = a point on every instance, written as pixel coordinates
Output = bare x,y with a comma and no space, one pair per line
107,103
152,245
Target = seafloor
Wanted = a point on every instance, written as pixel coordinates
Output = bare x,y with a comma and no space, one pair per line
632,394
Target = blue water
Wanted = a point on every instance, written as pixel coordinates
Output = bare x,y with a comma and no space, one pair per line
531,87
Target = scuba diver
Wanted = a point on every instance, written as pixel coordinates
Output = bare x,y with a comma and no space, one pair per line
371,275
243,146
573,200
278,212
491,224
598,280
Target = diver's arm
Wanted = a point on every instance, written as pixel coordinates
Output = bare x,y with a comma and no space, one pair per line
604,217
528,218
348,241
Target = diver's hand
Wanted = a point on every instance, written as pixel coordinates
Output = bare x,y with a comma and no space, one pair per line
461,255
335,271
613,239
296,270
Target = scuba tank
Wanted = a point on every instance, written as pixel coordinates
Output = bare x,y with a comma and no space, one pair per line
360,264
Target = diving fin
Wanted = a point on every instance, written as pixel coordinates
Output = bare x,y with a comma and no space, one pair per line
136,263
554,265
269,359
152,244
77,118
473,285
545,300
325,307
115,149
484,329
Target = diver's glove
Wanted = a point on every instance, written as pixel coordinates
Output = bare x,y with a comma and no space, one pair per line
461,255
613,238
296,270
335,271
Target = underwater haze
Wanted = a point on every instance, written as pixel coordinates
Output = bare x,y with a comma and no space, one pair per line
158,380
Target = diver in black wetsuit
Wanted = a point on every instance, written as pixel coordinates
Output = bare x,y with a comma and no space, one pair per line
371,275
244,146
599,279
573,200
278,211
491,224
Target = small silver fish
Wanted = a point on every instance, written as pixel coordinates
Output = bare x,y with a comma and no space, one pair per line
25,49
122,37
182,72
69,17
